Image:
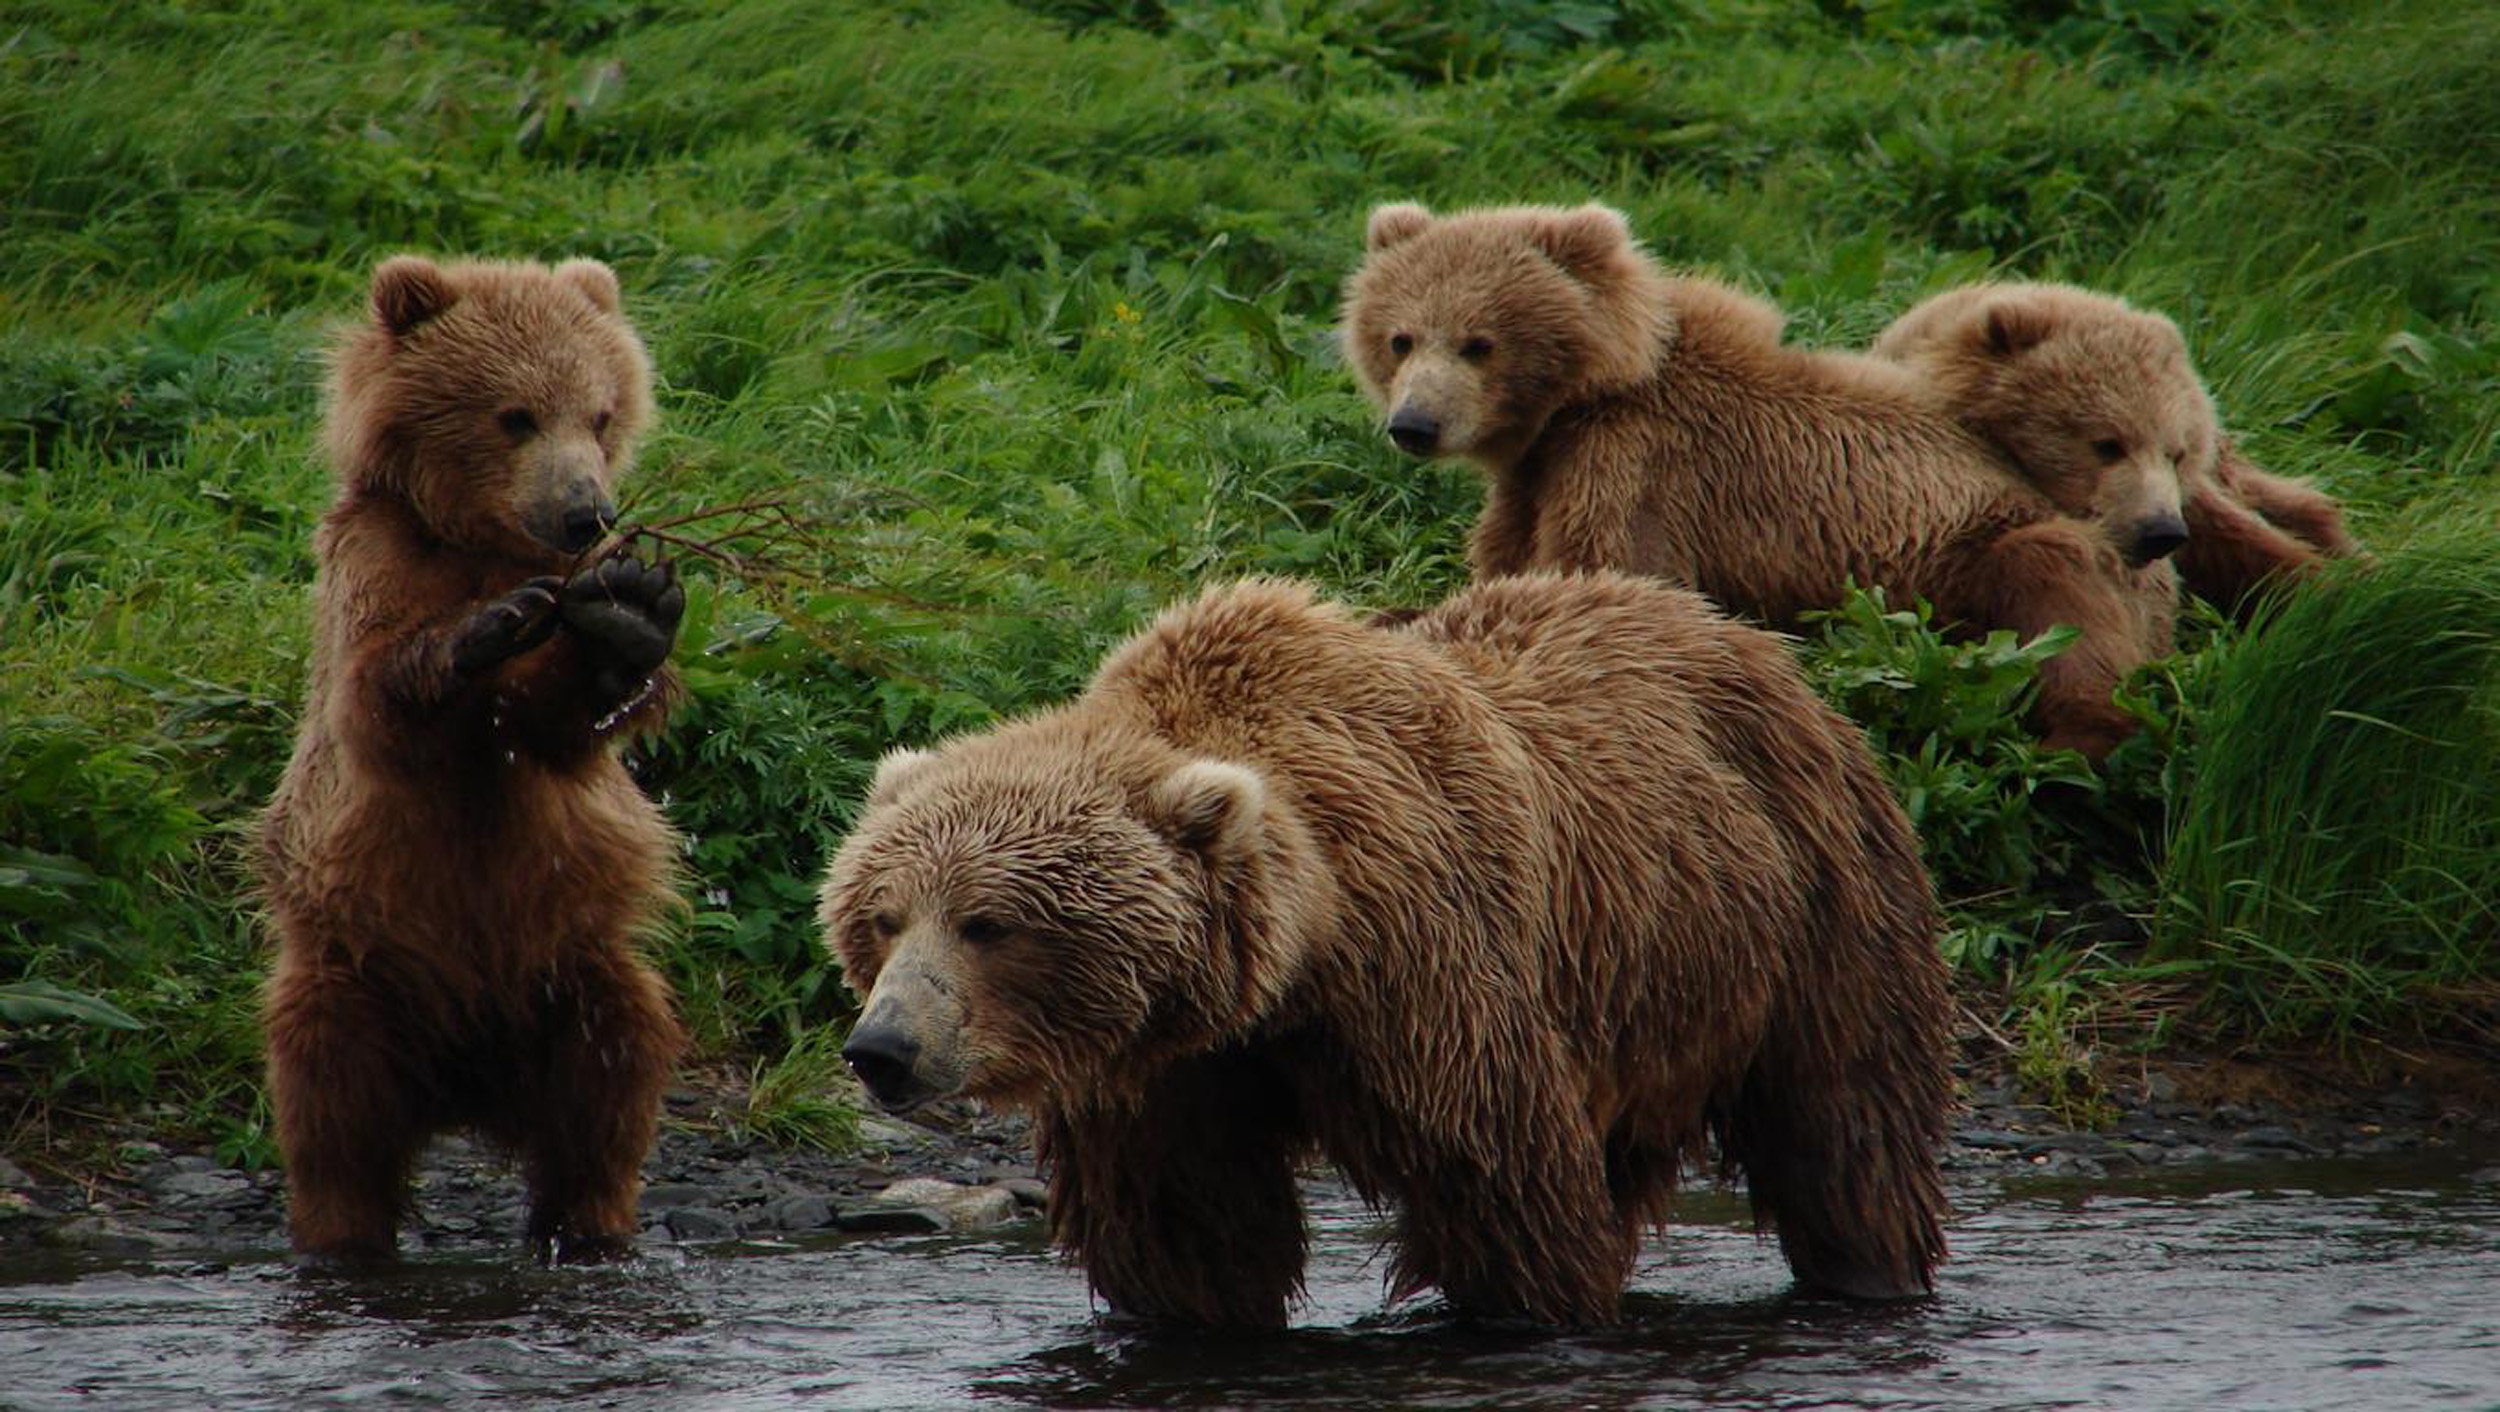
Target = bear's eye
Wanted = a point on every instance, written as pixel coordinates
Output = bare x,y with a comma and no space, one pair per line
599,424
981,931
1401,345
886,925
2110,448
516,421
1476,350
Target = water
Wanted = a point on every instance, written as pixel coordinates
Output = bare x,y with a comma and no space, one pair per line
2346,1285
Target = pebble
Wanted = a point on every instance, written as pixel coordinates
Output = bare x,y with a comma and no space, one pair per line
800,1213
891,1220
701,1223
965,1208
665,1196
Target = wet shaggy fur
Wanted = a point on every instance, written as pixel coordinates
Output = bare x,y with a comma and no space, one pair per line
1630,420
455,860
1508,911
2099,405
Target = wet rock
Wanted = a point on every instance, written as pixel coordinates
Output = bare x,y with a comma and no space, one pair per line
197,1187
800,1213
1028,1192
887,1133
701,1223
966,1208
105,1236
668,1196
2272,1138
13,1177
1994,1139
891,1220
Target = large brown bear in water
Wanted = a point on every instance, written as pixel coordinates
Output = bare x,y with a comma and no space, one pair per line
456,861
2098,404
1629,420
1507,911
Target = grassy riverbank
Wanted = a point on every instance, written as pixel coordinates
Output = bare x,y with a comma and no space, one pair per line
1029,306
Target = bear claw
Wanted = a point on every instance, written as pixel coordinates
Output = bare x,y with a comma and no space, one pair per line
506,627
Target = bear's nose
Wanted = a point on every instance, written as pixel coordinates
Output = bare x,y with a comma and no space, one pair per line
882,1057
1416,433
2158,537
583,524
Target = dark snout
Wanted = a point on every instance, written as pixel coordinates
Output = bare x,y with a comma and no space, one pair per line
573,517
2157,538
1416,433
587,514
586,520
883,1056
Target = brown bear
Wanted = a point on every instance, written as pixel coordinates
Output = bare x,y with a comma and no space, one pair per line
2098,404
1506,911
456,861
1630,420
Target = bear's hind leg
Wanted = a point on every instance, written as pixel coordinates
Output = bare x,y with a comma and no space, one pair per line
1840,1157
2301,510
585,1120
350,1120
1180,1203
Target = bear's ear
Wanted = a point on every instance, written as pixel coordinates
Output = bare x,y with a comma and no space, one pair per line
1210,807
2016,326
596,282
896,770
1394,224
1584,240
409,290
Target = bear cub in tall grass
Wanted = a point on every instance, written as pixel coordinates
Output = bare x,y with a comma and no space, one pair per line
2099,405
456,862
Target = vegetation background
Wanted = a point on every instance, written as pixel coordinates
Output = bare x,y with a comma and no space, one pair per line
1030,306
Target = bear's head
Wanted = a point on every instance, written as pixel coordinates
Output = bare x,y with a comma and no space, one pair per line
2096,403
1468,331
1056,908
500,401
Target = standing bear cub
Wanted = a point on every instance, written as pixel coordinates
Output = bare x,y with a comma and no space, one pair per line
2098,404
1508,911
1630,420
456,862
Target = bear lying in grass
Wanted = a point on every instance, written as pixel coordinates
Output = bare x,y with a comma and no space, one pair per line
2100,407
1629,420
1509,912
456,861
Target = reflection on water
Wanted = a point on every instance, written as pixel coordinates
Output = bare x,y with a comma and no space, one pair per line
2360,1285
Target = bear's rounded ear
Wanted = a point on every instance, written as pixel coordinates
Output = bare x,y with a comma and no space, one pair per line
1393,224
1584,240
1210,807
409,290
596,282
894,771
2016,325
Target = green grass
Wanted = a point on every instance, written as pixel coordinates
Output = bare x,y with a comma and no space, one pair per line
1030,306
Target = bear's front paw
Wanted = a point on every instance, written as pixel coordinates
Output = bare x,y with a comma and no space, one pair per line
628,611
506,627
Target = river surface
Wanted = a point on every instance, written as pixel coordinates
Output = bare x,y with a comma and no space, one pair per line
2346,1285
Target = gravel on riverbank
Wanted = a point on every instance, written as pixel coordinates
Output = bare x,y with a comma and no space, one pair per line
702,1185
